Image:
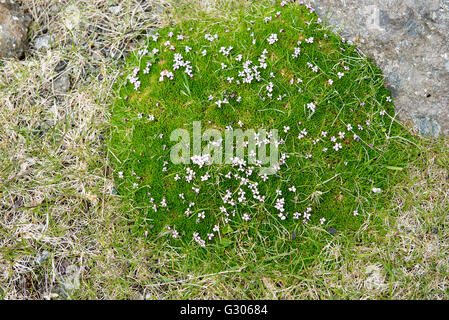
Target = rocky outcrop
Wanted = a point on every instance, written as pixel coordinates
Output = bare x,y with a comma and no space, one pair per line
409,41
13,29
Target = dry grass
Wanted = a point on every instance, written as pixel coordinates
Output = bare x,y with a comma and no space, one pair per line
56,189
53,178
410,261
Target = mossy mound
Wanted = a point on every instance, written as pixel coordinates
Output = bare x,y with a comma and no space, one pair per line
263,67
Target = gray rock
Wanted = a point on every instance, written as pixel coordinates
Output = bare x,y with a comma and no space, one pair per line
62,84
13,30
427,127
409,41
71,281
40,258
115,9
43,43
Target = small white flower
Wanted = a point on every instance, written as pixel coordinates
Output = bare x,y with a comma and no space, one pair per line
311,106
297,52
272,38
337,146
377,190
309,40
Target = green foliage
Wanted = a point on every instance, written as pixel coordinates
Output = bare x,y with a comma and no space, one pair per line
321,92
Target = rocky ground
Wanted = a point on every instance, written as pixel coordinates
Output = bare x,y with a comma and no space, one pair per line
409,40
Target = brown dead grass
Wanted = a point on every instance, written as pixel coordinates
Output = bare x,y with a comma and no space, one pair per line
53,178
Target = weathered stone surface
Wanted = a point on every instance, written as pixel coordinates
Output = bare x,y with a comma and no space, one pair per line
13,29
62,84
43,43
409,41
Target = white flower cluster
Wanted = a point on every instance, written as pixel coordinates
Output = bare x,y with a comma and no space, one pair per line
197,238
211,37
306,215
133,79
147,68
190,175
165,73
272,38
249,73
201,160
225,51
178,61
311,106
297,52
